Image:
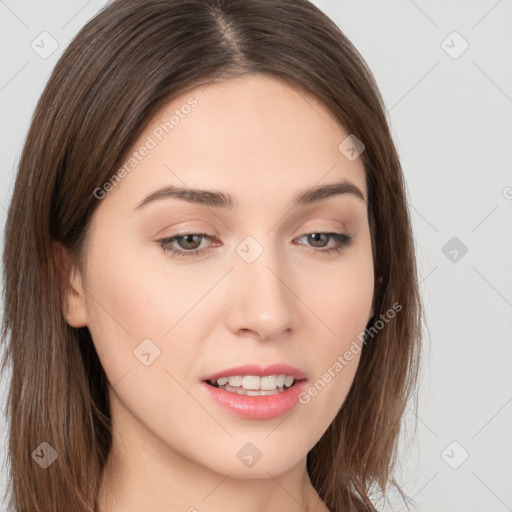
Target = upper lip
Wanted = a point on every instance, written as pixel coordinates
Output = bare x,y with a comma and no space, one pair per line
259,370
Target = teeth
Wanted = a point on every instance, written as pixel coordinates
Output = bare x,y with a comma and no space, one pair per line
251,382
235,381
255,383
269,382
249,392
288,381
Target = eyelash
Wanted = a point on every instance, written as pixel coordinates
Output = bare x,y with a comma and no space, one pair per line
342,241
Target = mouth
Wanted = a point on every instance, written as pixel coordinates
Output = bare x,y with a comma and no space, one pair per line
256,380
255,385
256,393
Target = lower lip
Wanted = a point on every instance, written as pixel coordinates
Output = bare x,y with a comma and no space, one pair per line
257,407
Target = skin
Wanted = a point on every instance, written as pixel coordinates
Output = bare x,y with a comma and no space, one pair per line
175,449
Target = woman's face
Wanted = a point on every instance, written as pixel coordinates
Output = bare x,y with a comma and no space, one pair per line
262,287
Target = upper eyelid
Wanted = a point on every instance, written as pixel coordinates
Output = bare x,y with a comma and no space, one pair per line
185,233
313,229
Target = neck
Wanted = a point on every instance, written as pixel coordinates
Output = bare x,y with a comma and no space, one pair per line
131,486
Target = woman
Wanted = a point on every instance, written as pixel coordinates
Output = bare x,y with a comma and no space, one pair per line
211,297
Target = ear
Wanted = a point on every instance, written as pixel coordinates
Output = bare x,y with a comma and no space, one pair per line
73,294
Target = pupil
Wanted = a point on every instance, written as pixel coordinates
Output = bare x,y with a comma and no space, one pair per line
187,239
316,238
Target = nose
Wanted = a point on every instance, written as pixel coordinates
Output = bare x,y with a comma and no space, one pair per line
261,300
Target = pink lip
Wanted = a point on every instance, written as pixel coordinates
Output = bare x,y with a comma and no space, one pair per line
261,371
257,407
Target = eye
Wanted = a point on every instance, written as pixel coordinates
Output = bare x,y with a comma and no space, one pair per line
189,243
341,240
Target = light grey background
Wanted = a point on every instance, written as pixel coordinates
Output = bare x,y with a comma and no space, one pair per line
451,116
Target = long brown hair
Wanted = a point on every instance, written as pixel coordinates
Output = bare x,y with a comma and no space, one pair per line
123,66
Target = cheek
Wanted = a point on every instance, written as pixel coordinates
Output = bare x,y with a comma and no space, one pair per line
138,303
340,296
342,306
121,306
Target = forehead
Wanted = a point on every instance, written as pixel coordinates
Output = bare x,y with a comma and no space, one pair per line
254,136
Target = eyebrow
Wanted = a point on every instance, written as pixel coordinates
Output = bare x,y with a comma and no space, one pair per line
215,199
